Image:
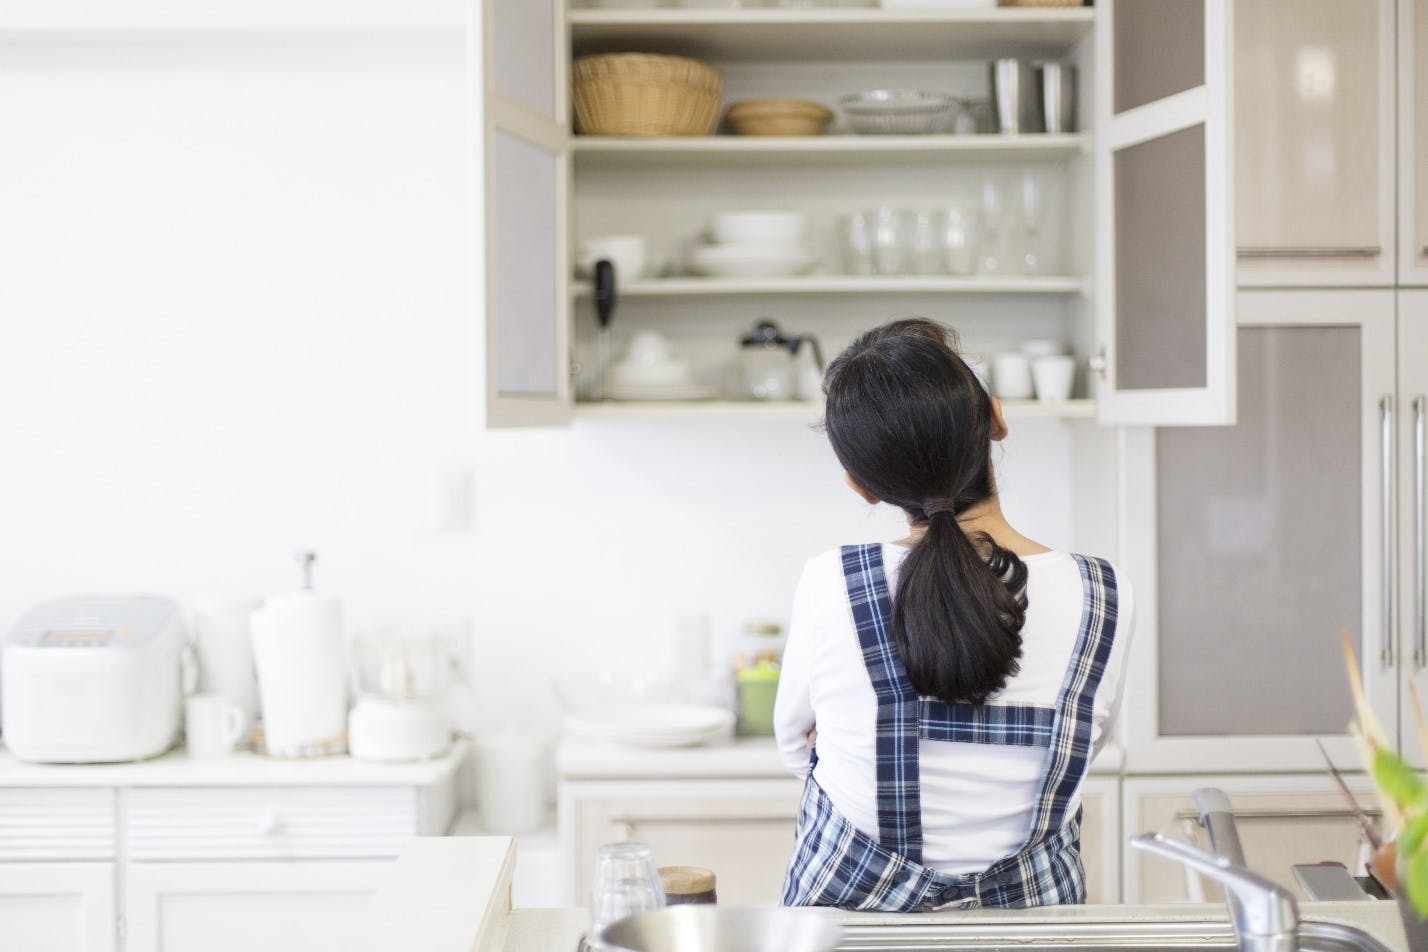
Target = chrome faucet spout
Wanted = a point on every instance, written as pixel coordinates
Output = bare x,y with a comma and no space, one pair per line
1267,917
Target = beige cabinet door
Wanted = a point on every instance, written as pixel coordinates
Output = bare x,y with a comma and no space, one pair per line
1314,142
1413,142
1282,821
1100,839
1412,516
742,830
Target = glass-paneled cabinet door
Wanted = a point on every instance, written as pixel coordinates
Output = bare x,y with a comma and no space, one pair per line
1165,243
1255,545
1412,515
525,157
1314,142
1413,142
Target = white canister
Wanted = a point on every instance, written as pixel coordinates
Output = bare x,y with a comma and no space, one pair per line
1054,377
512,781
1011,376
302,682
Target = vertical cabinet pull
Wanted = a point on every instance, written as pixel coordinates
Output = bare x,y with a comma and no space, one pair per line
1385,412
1420,623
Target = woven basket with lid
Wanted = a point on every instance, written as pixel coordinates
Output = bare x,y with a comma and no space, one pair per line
643,94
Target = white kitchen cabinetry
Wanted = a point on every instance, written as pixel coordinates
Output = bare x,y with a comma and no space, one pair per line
57,907
1282,821
1156,158
1413,142
239,907
1314,142
1412,514
1252,546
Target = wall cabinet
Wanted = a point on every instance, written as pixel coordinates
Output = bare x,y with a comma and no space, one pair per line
1253,546
1151,184
1282,821
1314,142
1413,142
1411,516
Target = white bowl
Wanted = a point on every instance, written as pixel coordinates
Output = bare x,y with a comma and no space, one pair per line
758,228
750,261
676,373
627,253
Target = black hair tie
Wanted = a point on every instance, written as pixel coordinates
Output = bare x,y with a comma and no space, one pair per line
933,506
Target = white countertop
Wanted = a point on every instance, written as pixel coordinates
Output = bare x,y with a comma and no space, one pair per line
744,757
177,769
453,893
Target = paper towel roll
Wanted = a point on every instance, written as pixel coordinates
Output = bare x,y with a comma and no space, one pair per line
302,682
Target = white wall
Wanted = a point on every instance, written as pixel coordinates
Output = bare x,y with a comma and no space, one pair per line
235,322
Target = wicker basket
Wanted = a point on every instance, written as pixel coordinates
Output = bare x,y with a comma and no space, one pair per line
777,117
640,94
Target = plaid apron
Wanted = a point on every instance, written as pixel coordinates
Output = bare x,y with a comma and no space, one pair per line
836,864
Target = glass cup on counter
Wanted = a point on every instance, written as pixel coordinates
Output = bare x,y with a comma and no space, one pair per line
626,882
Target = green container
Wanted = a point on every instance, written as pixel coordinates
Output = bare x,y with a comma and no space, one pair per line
757,688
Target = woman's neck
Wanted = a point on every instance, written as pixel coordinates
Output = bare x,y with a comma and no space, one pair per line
986,516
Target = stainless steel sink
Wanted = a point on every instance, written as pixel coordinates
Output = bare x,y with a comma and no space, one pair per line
1063,936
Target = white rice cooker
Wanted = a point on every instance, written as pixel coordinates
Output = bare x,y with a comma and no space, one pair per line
93,679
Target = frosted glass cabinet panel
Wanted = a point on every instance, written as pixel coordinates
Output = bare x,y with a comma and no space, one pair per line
524,218
1413,142
1260,542
1165,302
1314,141
525,58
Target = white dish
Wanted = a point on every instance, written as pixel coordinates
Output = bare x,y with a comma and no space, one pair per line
652,725
750,261
672,374
758,228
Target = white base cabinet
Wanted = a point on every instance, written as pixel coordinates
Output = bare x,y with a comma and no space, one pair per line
58,907
239,907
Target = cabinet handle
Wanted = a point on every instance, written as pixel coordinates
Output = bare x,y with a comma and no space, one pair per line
1322,251
1385,411
1193,816
1420,614
1097,362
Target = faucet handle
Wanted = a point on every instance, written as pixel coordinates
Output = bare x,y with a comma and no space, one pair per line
1270,913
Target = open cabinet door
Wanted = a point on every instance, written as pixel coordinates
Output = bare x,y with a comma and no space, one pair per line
1165,242
519,59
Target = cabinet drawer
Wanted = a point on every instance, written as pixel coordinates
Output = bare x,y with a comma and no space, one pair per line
48,823
188,823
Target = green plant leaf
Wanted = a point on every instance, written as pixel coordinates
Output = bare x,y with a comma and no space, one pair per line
1399,782
1416,883
1411,839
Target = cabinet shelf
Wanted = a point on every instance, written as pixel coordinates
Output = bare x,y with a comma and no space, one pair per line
797,412
823,150
843,284
848,34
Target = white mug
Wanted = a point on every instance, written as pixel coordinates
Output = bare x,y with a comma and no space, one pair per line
213,723
1011,376
1054,377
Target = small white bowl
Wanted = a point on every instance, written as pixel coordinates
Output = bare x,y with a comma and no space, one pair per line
758,228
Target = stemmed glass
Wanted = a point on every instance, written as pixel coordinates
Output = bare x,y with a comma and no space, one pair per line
993,219
626,882
1033,212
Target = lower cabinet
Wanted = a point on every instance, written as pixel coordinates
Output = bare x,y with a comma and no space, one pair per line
743,831
58,907
239,907
1283,821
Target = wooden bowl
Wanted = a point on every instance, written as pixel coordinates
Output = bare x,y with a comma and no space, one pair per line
777,117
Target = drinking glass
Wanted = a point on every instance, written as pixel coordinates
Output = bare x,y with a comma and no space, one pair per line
923,242
959,241
855,241
626,882
888,246
1033,213
994,213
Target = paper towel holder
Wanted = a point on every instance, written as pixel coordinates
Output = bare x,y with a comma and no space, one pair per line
306,559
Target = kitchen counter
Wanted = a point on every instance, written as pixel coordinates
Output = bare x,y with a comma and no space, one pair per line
751,757
177,769
454,894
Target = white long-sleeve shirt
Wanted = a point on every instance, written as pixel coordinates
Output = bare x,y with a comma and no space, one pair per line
977,799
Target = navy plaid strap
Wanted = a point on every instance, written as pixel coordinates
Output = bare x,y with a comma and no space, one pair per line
1012,725
1070,752
899,800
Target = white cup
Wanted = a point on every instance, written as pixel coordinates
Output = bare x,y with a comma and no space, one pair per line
626,252
1011,376
212,725
1054,377
1040,347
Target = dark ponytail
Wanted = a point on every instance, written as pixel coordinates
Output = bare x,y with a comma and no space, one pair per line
912,425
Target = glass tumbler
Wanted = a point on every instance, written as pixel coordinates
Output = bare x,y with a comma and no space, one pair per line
626,882
855,241
889,246
959,242
923,242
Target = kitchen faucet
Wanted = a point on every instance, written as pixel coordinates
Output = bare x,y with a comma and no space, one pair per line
1264,914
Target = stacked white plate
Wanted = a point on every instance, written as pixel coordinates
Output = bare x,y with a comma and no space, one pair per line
758,244
652,724
651,370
